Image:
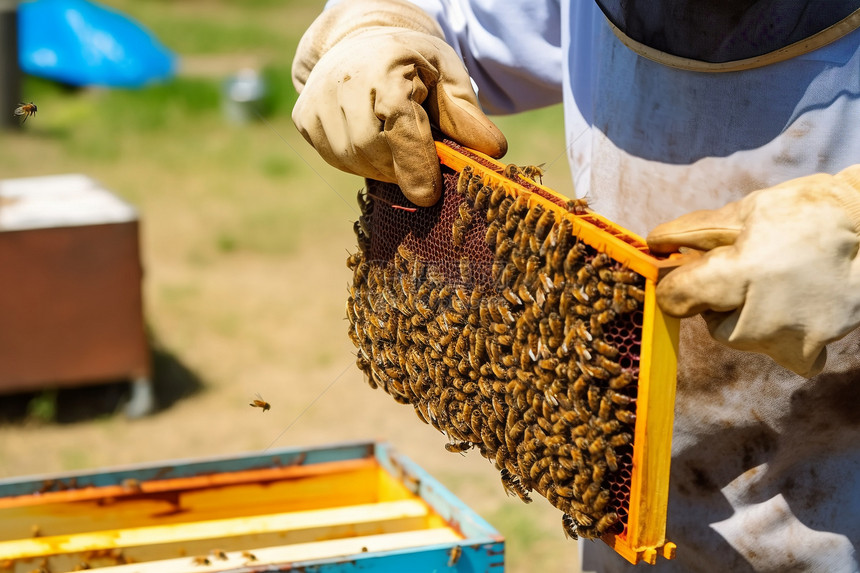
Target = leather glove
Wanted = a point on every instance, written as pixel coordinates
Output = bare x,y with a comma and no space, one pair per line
373,75
781,274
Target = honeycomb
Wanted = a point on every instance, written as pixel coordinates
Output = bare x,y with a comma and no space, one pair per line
508,334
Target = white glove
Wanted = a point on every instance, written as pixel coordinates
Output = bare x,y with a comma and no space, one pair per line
781,275
369,73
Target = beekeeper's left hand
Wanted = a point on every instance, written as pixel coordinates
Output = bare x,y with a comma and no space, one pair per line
781,274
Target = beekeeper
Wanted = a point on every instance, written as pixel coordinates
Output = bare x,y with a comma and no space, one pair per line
736,122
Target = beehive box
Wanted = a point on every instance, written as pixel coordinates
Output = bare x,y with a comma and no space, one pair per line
520,323
349,507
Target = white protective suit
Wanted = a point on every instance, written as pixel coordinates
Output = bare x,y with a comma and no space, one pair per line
766,464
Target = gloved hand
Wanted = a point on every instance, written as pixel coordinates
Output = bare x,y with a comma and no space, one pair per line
781,274
369,73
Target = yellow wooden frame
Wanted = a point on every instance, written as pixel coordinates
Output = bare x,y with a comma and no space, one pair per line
645,536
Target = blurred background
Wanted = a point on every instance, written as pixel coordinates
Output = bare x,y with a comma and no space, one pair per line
244,236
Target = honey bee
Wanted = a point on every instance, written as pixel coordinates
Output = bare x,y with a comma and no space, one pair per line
584,273
534,172
598,472
464,179
570,526
612,367
622,380
611,459
474,187
201,560
620,440
624,276
545,223
458,232
250,556
602,500
131,484
581,350
604,317
218,554
490,237
454,555
604,348
82,566
591,494
503,249
497,196
458,447
625,416
504,207
578,206
260,403
511,171
606,522
25,110
482,198
636,293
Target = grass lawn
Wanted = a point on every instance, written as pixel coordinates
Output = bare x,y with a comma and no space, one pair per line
245,234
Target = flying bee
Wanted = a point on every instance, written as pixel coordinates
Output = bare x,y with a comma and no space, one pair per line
260,403
534,172
25,110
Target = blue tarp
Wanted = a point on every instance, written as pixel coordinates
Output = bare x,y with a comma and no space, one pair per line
80,43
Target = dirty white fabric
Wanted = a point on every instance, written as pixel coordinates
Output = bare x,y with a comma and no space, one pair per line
766,465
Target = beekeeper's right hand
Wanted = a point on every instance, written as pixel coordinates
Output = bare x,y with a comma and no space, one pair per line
372,76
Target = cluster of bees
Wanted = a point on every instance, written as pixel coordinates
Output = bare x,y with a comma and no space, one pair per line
536,366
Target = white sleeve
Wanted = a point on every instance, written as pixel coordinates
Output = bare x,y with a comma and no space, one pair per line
512,49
